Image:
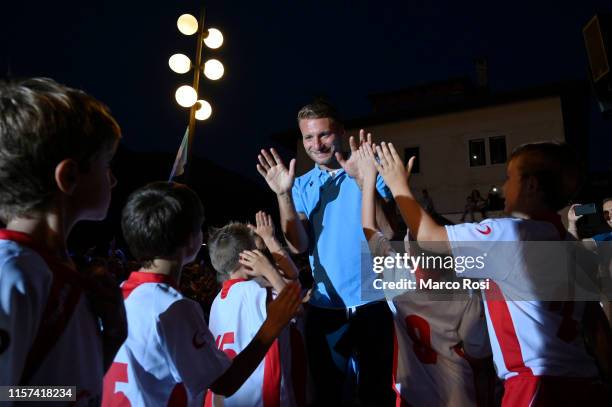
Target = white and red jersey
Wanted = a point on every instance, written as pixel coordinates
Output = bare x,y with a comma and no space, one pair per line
169,357
435,342
48,334
236,315
528,337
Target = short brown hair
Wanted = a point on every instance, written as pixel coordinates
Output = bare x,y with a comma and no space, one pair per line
556,167
226,244
319,109
42,123
159,218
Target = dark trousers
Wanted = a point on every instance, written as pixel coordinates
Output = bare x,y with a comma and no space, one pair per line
366,334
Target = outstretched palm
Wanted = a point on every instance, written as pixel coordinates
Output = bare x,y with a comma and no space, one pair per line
351,165
271,167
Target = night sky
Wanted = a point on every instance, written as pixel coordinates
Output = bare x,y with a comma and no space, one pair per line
278,55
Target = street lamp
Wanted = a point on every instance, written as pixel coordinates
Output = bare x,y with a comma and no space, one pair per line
186,95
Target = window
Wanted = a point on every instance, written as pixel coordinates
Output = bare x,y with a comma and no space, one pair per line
497,149
413,152
477,153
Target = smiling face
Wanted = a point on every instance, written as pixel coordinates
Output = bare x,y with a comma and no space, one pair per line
322,138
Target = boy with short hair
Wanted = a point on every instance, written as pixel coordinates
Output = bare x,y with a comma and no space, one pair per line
438,343
537,347
57,326
240,308
170,355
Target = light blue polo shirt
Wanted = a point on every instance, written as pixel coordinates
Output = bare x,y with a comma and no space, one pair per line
336,239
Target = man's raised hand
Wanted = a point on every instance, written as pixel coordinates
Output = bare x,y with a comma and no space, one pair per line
271,167
351,166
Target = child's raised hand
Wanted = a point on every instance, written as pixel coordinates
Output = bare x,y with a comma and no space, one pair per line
367,167
256,262
264,226
391,167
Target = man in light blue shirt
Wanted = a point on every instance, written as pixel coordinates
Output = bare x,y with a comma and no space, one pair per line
321,213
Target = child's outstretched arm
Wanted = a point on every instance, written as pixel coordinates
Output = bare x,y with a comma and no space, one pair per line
280,312
259,265
265,229
420,223
367,168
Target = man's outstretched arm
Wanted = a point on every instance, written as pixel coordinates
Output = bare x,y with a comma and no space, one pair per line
280,180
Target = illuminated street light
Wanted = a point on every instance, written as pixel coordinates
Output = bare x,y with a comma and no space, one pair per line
204,111
179,63
186,96
213,69
187,24
214,39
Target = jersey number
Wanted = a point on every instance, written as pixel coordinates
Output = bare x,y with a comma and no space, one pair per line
419,331
223,341
117,373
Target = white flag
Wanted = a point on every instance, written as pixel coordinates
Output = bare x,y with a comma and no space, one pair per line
181,157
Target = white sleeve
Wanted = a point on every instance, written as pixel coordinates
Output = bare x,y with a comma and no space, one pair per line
22,303
491,248
190,346
473,329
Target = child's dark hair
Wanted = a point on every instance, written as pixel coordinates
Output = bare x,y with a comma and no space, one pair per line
41,124
159,218
225,245
556,167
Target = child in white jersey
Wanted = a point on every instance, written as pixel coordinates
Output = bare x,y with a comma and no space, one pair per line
250,280
438,343
537,346
58,326
170,355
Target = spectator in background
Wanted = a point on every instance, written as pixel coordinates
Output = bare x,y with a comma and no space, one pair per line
474,203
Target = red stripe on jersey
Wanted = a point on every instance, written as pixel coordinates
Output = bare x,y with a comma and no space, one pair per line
141,277
64,295
178,397
228,284
501,319
298,366
272,377
208,400
399,402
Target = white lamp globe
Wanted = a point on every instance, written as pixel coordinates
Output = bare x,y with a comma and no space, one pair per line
213,69
186,96
179,63
214,39
187,24
204,111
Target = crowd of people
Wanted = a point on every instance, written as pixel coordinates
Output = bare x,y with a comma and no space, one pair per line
135,332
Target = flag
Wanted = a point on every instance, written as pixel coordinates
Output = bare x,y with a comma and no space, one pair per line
181,157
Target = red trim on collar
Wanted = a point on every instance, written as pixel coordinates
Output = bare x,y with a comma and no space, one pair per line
54,264
228,284
137,278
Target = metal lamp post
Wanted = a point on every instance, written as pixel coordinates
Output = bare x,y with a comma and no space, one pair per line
187,96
